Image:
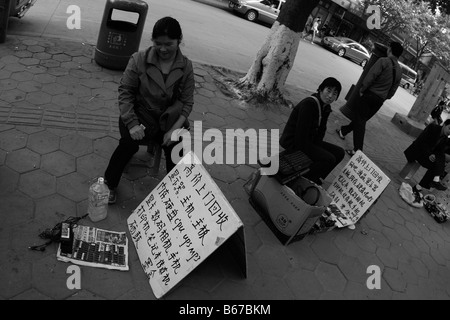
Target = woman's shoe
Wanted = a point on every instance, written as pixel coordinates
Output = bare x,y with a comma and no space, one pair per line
339,132
350,152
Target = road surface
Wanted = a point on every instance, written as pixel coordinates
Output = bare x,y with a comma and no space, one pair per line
212,35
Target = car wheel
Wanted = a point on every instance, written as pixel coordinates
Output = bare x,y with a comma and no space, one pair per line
251,15
363,63
341,52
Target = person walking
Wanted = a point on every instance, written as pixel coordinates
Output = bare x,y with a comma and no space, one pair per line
156,96
306,128
314,29
436,113
380,84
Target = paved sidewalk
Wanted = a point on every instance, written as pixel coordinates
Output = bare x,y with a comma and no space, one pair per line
58,128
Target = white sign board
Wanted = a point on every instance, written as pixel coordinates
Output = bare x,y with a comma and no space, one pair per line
180,223
357,187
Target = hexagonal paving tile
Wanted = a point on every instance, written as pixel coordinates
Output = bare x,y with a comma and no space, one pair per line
330,277
8,84
105,94
97,280
105,146
74,186
2,157
326,250
50,277
38,98
65,100
92,165
29,61
53,88
37,184
304,284
26,234
23,160
54,208
29,86
12,95
22,76
9,180
272,260
42,55
62,57
43,142
15,278
76,145
18,207
12,140
15,67
58,163
78,90
44,78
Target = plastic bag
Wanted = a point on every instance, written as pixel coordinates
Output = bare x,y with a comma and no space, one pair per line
407,194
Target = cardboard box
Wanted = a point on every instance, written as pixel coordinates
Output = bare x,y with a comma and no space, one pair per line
289,216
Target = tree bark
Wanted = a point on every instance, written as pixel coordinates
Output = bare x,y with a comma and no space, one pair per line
270,69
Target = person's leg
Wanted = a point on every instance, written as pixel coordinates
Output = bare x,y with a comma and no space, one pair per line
435,170
369,106
323,160
345,130
121,156
338,154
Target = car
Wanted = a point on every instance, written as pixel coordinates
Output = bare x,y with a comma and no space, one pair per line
409,76
265,11
349,48
20,7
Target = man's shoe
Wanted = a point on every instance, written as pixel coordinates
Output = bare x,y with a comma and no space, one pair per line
438,185
339,132
112,196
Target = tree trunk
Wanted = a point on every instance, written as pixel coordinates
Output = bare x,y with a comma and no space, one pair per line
275,59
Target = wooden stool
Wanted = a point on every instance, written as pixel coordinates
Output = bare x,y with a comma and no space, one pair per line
409,170
154,151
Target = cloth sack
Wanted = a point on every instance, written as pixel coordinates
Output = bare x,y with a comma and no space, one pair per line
406,193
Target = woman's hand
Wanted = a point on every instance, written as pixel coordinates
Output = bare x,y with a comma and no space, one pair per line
137,132
432,158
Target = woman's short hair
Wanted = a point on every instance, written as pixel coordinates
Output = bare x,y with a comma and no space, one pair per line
330,83
167,26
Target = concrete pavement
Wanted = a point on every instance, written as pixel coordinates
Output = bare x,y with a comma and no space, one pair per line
58,128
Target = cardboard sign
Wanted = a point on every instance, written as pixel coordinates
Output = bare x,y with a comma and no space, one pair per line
180,223
356,188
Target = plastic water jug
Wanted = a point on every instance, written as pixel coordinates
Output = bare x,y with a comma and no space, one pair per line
98,200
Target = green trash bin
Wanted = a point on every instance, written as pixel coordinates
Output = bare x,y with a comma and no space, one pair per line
5,7
119,39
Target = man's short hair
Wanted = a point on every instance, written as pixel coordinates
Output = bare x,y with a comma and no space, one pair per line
396,48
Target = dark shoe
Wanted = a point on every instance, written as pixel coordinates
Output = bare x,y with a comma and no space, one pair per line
350,152
339,132
112,196
438,185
